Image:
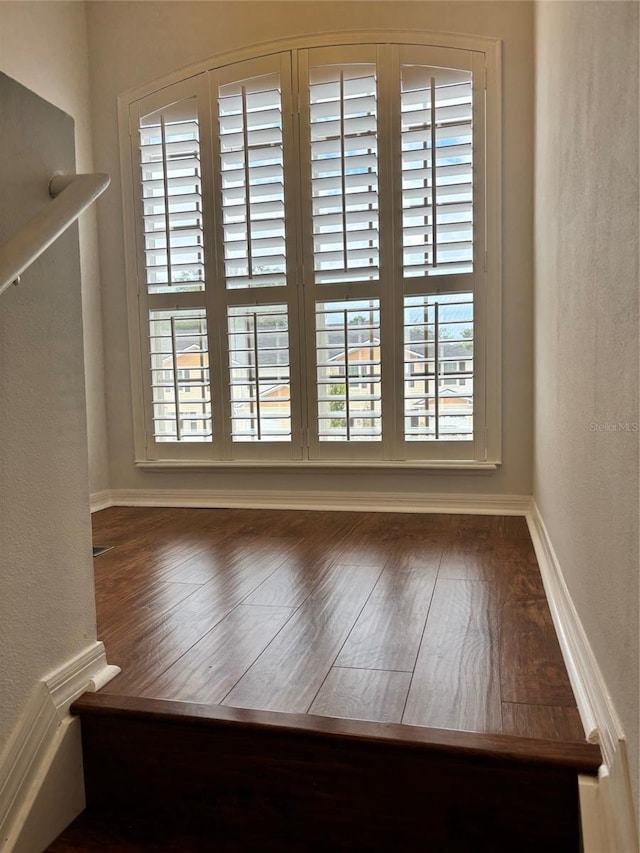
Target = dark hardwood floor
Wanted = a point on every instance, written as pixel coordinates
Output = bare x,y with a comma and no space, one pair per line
300,681
427,620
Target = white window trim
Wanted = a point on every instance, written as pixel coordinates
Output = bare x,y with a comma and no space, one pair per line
488,310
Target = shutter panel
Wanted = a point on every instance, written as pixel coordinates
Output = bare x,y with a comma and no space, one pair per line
173,266
343,116
252,182
256,253
172,198
348,371
438,367
342,154
259,373
180,386
437,171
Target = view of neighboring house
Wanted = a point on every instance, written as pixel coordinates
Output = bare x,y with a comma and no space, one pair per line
348,381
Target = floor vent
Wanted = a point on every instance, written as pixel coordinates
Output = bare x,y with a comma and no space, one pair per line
100,549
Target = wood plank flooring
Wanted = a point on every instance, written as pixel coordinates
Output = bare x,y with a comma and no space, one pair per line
427,620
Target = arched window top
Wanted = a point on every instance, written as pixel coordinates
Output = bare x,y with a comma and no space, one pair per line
490,47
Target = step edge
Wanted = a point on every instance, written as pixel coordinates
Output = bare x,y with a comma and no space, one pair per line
578,757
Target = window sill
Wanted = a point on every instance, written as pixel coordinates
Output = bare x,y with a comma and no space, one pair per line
444,465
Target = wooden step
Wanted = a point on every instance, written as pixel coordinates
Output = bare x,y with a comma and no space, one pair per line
257,780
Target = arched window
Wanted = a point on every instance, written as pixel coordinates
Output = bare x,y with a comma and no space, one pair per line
316,239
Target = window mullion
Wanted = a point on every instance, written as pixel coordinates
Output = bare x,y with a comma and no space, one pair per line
214,294
436,367
485,313
305,269
390,263
293,230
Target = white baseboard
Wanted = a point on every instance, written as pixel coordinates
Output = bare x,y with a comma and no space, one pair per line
100,500
594,836
314,500
41,785
610,809
606,808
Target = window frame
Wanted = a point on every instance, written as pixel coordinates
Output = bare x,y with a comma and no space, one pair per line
488,254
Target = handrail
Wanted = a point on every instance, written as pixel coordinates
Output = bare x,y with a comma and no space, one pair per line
72,195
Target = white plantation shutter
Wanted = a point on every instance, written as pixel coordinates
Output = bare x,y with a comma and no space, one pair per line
438,367
348,371
181,390
312,250
172,198
252,181
343,118
260,375
256,254
440,150
437,170
172,267
342,159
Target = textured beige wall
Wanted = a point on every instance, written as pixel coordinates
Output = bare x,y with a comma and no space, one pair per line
44,46
586,323
134,43
47,611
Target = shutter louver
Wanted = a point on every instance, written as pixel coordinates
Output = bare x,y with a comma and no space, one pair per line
172,198
252,182
437,171
344,173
